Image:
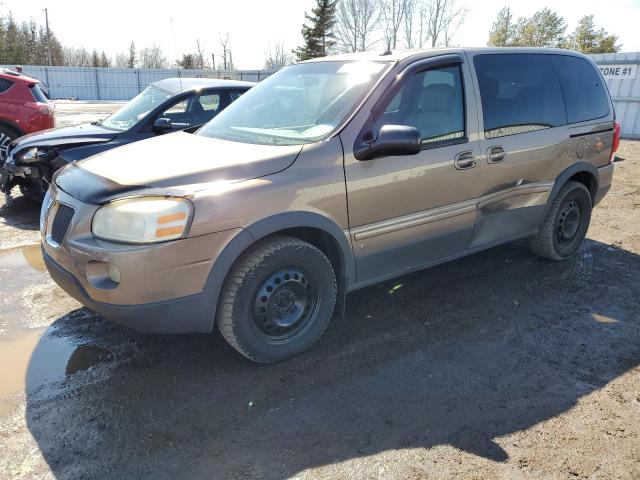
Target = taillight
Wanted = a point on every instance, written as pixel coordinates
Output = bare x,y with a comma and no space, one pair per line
45,109
616,140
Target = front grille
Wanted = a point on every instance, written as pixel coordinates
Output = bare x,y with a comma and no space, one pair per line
61,223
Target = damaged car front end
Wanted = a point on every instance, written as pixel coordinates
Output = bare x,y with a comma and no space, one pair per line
33,159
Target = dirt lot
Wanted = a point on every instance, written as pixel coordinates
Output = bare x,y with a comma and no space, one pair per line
500,365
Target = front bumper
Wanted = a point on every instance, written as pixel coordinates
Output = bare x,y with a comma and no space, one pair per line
193,313
162,287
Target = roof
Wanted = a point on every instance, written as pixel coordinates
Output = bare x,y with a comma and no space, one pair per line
178,85
398,55
13,75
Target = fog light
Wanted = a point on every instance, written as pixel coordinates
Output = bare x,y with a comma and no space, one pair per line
113,273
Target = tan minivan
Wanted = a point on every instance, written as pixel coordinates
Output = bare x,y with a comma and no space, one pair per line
328,176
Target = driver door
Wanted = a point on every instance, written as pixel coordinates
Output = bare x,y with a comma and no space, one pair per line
408,211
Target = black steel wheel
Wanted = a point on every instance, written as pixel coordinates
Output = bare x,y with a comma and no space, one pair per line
566,223
284,304
277,300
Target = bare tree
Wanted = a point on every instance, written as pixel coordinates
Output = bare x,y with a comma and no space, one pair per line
277,57
393,12
76,57
225,51
199,56
121,60
152,57
415,25
356,20
443,18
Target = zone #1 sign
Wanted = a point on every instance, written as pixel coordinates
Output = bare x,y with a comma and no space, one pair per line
618,72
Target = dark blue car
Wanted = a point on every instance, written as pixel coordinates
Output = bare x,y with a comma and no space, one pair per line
164,106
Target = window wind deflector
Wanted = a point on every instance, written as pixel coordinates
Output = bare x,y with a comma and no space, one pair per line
419,66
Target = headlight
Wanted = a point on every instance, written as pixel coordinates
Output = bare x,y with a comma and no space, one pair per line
143,219
29,155
34,154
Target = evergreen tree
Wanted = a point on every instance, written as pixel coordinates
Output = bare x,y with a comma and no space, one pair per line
502,32
544,28
104,60
318,34
187,61
587,39
132,56
95,58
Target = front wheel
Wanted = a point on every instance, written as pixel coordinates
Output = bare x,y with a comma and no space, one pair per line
566,223
277,300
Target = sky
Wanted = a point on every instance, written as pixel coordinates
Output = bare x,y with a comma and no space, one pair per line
254,25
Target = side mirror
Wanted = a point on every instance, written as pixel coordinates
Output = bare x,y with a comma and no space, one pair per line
162,125
392,140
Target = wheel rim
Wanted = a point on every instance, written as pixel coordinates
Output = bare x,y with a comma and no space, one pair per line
568,221
284,305
5,140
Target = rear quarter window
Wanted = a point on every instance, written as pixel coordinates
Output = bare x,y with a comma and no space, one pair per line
38,94
520,93
5,85
584,94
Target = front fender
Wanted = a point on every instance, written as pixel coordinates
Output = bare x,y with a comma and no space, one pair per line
269,226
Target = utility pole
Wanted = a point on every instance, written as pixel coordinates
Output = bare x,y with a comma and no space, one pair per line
213,61
46,20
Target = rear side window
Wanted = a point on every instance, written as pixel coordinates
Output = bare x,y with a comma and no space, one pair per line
233,96
5,85
520,93
584,93
38,94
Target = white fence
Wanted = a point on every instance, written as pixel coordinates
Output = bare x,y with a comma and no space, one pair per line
89,83
621,74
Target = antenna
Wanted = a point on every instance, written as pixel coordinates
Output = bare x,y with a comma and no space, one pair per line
175,50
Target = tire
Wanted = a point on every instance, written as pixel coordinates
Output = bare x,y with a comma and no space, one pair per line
565,225
7,135
277,300
36,197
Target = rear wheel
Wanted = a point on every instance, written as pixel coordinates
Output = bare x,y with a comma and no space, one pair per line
278,299
566,223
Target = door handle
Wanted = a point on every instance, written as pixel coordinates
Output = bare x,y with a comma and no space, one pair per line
465,160
496,154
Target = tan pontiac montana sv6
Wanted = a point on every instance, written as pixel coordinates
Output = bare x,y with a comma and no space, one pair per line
328,176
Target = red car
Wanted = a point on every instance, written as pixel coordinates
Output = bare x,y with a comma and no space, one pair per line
24,108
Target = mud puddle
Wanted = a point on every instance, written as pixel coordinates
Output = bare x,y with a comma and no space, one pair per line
31,357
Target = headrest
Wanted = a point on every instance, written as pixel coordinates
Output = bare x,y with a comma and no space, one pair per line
437,97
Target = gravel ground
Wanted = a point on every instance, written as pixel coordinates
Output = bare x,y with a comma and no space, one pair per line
497,366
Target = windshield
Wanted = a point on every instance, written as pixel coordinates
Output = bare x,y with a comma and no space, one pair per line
136,109
299,104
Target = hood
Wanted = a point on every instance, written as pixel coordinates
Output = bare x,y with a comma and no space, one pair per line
85,133
171,160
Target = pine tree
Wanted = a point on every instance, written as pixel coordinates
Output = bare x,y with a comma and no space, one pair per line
587,39
502,31
318,35
95,58
132,56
